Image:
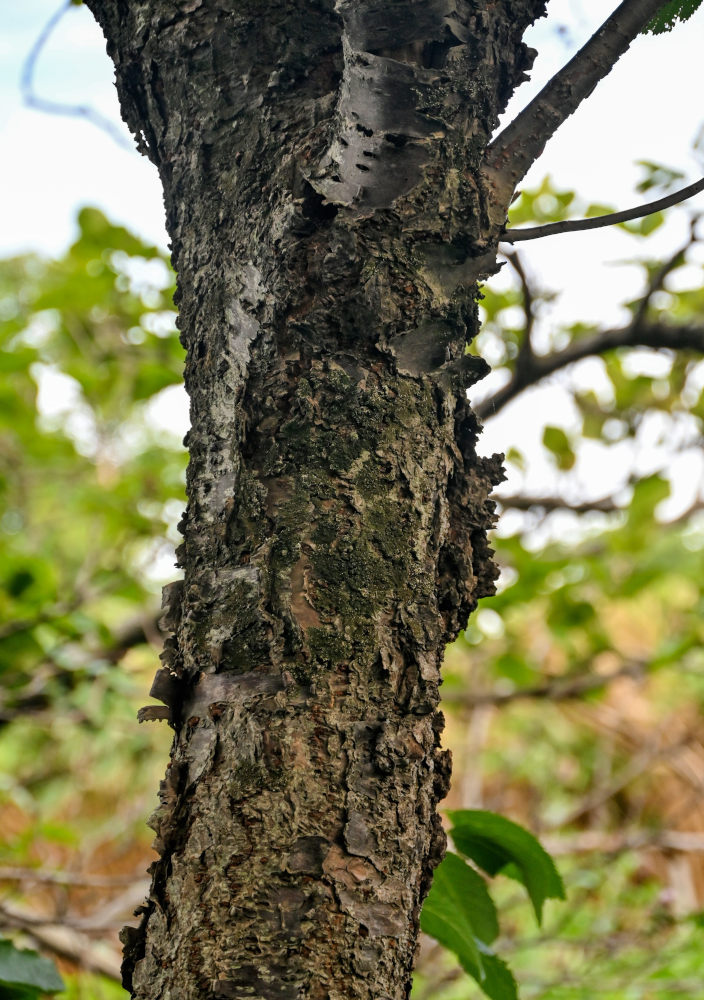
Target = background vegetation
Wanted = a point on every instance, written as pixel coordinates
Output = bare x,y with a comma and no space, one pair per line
574,699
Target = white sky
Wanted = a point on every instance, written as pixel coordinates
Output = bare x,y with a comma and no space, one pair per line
648,108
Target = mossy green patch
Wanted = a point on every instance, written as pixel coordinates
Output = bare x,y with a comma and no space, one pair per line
293,515
328,646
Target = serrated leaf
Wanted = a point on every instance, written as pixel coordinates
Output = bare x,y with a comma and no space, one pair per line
460,895
494,842
496,979
669,14
460,915
25,973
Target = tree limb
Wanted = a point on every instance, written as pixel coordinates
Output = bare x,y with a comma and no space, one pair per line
520,144
613,218
657,279
616,842
13,873
35,698
63,941
559,689
655,335
33,100
547,503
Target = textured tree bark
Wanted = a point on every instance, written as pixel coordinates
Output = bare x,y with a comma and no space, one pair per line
320,163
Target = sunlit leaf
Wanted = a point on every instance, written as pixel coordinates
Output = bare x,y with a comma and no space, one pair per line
494,842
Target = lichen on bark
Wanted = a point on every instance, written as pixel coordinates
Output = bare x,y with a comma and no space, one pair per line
321,171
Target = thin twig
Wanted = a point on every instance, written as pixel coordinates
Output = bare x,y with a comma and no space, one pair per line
524,359
511,235
617,842
638,765
657,280
33,100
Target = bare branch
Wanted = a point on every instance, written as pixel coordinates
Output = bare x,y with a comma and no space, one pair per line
524,360
605,505
641,763
63,941
34,697
655,335
559,689
520,144
516,502
33,100
613,218
12,873
616,842
658,278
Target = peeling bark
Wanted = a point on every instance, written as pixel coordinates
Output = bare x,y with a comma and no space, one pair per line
320,164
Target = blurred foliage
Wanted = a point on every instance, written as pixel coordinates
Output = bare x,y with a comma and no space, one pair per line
26,975
573,698
90,490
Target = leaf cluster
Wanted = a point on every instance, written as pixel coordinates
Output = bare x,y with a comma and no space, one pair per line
460,913
671,13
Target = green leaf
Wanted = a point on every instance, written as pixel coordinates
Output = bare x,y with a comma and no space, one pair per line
595,209
647,494
557,442
25,973
645,226
494,842
459,897
495,979
670,13
543,204
460,914
658,175
516,457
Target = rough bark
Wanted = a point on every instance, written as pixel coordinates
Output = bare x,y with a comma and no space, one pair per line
320,164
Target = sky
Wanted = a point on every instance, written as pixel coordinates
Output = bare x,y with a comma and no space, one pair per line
648,108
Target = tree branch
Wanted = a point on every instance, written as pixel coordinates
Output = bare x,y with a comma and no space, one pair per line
63,941
655,335
524,359
613,218
559,689
13,873
520,144
657,279
516,502
33,100
605,505
616,842
34,698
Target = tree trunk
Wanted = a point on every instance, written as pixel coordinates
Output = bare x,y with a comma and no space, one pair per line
320,164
